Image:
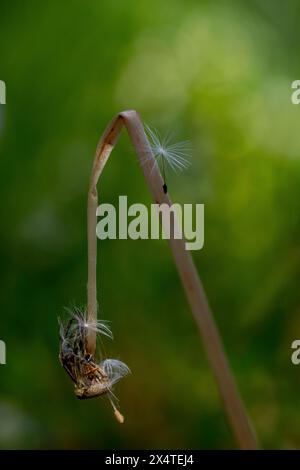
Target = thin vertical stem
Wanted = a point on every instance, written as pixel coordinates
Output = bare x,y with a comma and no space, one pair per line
92,269
104,148
186,268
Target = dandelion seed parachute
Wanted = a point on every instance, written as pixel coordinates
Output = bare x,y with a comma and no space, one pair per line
98,326
114,369
175,155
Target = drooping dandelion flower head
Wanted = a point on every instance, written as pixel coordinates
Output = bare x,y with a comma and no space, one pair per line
92,377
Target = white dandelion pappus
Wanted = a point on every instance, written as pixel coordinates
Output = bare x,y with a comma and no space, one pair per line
99,326
115,370
175,155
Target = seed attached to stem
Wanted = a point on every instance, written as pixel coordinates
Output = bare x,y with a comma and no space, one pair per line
91,377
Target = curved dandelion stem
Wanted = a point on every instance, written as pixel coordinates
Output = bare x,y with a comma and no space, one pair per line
195,293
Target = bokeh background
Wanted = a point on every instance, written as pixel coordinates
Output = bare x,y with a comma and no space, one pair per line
218,74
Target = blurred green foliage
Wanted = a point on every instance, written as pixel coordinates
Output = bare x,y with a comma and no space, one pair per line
218,74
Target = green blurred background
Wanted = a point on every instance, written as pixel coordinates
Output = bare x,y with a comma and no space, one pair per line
219,74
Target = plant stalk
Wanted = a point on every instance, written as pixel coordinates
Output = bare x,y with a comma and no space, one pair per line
192,285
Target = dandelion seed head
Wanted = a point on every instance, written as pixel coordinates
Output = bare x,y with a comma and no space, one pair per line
91,378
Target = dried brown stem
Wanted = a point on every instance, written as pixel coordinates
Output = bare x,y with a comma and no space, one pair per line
188,274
